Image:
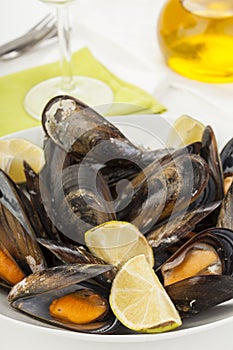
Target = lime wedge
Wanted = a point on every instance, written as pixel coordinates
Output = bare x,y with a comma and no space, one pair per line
12,154
185,130
139,301
118,241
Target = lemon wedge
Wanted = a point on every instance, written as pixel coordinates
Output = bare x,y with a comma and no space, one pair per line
118,241
185,130
139,301
12,154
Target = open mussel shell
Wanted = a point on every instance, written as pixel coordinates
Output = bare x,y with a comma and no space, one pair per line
196,294
38,307
71,254
227,158
215,189
211,280
17,237
12,200
162,189
203,211
41,222
36,293
225,217
164,236
120,171
218,240
55,278
78,129
5,284
81,200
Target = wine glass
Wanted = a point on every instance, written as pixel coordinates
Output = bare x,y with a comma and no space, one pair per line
91,91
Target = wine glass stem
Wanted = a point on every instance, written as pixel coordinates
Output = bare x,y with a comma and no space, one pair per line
63,28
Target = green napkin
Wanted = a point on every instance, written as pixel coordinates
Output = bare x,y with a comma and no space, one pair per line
13,88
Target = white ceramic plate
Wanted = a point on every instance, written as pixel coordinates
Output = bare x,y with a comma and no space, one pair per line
210,329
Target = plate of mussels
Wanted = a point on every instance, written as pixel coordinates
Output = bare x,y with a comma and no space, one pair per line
98,170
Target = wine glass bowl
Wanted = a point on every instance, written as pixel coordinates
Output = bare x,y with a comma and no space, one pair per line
89,90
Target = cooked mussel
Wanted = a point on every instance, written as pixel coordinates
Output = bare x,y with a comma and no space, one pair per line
20,253
10,271
200,274
57,296
203,212
79,129
199,293
164,191
214,191
81,200
227,164
37,185
225,216
73,254
227,158
122,170
70,307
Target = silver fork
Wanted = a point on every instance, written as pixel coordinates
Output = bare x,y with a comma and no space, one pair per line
45,29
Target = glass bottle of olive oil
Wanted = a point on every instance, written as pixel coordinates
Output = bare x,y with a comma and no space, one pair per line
196,38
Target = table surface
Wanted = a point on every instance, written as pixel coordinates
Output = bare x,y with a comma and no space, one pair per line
122,35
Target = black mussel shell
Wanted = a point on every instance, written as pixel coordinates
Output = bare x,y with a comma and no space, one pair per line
5,284
71,254
13,200
196,294
17,235
227,158
81,200
42,224
38,307
77,128
54,278
118,171
170,232
225,216
220,239
215,189
160,190
36,292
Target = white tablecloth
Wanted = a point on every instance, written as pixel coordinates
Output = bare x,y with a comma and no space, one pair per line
121,34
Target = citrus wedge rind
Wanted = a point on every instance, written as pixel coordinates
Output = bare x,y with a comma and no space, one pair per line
139,301
118,241
185,131
13,152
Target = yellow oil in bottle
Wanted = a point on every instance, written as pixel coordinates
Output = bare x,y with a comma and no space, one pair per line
196,38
